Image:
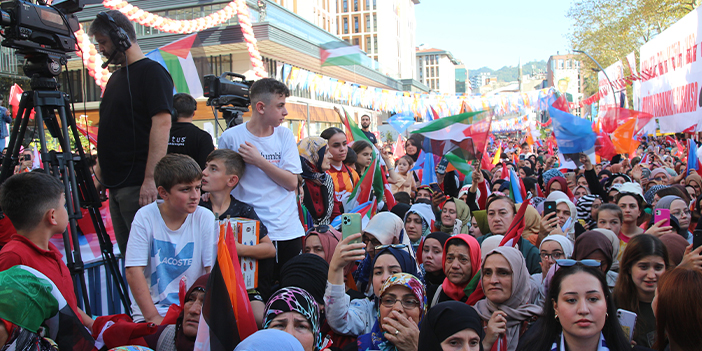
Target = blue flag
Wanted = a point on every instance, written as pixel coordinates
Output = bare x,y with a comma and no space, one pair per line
573,134
692,161
429,173
401,121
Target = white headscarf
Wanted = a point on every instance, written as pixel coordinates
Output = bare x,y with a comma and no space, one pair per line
565,243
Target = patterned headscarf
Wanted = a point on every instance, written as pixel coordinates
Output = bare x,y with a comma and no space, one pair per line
318,184
584,208
375,340
310,147
294,299
651,193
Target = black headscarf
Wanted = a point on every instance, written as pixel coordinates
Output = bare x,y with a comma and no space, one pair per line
407,263
439,276
400,209
528,171
445,319
307,271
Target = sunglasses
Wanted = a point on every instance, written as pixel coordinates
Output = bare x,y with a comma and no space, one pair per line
394,246
570,262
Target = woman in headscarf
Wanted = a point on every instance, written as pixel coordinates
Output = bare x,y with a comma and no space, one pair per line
450,325
563,220
679,209
356,317
650,194
614,239
419,222
580,191
401,307
319,186
695,181
506,310
181,335
552,248
586,209
676,246
269,340
294,310
321,241
430,258
594,245
479,224
532,223
452,210
460,263
559,183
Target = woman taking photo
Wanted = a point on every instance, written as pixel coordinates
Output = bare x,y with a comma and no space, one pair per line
644,261
578,314
450,326
505,311
401,308
461,262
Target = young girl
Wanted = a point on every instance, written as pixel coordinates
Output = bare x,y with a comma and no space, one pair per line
364,152
406,182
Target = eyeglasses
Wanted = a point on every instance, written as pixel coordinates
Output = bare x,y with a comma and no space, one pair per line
570,262
556,255
680,213
389,301
394,246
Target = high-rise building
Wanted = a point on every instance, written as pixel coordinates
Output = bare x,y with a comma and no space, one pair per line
384,29
436,68
563,72
462,82
319,12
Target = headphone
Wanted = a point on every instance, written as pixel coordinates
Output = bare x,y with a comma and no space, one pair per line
119,37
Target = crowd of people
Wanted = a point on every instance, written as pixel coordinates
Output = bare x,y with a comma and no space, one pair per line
434,271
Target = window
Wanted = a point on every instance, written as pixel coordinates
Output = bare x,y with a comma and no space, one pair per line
355,5
368,44
560,64
375,45
375,23
367,23
355,41
346,5
355,24
432,72
373,4
428,72
436,57
367,4
437,71
431,59
437,84
432,84
346,25
568,64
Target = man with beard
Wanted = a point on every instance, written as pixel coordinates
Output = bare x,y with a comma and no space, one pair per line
135,121
365,125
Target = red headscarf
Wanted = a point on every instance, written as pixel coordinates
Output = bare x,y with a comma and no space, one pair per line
456,292
564,187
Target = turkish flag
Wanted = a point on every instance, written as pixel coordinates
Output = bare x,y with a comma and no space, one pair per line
15,97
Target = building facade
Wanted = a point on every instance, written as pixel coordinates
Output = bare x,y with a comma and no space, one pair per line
384,29
462,82
563,73
321,13
436,68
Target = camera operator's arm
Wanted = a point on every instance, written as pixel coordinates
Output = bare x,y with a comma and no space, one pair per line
158,144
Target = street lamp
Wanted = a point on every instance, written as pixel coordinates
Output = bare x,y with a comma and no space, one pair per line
602,69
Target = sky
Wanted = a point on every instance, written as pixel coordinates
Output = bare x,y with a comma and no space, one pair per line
494,33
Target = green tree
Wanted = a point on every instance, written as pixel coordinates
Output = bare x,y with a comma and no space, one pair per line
609,30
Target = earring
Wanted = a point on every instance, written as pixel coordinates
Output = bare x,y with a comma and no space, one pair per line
556,317
606,315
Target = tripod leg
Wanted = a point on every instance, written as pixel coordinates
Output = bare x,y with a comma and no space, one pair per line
16,137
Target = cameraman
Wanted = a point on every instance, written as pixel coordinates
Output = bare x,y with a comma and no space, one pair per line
135,121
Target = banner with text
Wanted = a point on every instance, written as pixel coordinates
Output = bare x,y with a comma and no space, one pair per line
610,99
671,75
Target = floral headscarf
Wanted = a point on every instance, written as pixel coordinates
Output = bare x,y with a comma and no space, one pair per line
294,299
375,340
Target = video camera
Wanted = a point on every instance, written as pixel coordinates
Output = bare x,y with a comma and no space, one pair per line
44,34
221,91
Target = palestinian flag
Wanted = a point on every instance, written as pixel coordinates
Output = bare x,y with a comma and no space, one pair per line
182,58
64,327
227,317
339,53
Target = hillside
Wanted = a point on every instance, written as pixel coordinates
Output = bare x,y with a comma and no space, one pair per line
509,73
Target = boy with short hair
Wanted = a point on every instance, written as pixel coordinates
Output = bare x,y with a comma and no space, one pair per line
34,202
223,169
169,239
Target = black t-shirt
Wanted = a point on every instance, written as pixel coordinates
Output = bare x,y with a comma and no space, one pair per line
238,209
122,156
370,137
188,139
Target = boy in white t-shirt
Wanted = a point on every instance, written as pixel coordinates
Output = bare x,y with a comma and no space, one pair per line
169,239
272,165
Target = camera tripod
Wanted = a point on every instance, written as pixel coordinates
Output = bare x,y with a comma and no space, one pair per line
72,169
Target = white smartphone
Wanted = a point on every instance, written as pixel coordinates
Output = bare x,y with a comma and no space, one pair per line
627,320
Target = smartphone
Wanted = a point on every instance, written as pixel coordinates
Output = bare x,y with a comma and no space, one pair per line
627,320
522,157
441,167
350,225
696,238
662,214
549,206
435,187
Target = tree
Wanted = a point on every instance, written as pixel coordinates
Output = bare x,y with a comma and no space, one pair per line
609,30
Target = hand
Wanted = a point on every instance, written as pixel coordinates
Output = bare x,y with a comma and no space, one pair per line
205,197
157,319
585,160
658,229
692,258
408,337
497,325
636,172
548,222
148,192
102,192
477,176
250,154
438,199
337,110
346,253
